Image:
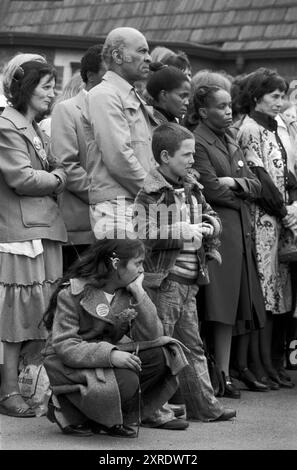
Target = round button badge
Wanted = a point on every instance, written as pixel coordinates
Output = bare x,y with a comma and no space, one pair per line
240,163
37,143
102,310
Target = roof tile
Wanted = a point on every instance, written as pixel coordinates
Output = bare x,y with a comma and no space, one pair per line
194,6
246,16
183,34
130,10
263,3
28,29
291,14
227,33
239,4
214,35
199,19
96,28
233,45
281,43
278,30
196,35
220,22
160,35
269,15
255,45
222,18
251,32
155,8
221,5
182,21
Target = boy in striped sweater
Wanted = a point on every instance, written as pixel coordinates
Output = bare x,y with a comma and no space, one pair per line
181,231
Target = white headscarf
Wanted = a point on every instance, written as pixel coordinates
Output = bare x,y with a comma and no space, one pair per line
11,67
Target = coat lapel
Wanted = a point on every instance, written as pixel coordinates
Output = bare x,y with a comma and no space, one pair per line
233,147
205,132
96,304
21,123
232,152
38,144
149,110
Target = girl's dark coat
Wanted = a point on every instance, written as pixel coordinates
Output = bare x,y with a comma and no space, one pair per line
85,331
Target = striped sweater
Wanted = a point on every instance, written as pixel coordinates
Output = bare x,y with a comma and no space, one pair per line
186,265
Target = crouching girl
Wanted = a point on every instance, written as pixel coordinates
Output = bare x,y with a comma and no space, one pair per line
105,342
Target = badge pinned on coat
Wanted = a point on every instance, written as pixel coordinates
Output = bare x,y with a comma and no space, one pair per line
42,154
37,143
102,310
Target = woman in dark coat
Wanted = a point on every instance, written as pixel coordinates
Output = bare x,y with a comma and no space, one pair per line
233,297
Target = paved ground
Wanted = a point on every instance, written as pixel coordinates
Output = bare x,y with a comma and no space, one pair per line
264,421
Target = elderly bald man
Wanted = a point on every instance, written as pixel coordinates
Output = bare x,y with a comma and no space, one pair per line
118,128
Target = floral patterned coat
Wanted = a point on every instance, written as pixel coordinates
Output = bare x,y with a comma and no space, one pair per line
261,149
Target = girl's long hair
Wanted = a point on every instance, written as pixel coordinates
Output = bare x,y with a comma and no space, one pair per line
94,265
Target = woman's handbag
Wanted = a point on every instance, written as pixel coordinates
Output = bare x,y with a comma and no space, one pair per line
287,249
35,387
33,381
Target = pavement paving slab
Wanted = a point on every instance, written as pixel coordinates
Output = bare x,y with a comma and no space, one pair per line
265,421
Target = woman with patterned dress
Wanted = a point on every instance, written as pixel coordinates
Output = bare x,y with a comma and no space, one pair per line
275,210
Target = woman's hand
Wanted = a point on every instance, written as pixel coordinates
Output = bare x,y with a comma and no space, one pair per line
228,181
125,360
290,221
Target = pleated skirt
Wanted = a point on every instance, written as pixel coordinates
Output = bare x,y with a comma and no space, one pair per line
26,285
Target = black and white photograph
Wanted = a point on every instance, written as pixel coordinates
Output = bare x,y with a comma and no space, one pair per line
148,231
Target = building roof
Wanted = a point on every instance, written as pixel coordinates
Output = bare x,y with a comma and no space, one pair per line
230,25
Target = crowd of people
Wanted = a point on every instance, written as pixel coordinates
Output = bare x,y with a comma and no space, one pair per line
143,214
